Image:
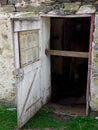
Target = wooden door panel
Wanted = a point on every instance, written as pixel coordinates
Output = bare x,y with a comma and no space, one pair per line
31,38
28,67
30,102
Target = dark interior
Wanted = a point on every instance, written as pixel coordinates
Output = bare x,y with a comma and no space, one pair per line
69,74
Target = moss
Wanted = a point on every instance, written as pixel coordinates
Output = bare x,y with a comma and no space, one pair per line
30,14
96,81
31,8
95,58
1,50
70,7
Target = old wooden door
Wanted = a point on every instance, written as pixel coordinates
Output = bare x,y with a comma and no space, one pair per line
28,68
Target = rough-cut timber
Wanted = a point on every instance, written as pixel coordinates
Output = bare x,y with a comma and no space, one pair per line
67,53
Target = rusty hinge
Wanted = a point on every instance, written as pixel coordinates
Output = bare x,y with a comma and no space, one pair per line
19,74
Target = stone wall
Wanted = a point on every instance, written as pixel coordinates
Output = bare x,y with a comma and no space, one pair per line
94,71
22,6
38,5
7,82
19,1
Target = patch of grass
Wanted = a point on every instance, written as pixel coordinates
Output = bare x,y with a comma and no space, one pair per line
42,120
83,123
8,119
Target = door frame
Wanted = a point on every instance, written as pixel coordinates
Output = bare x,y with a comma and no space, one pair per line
92,16
89,64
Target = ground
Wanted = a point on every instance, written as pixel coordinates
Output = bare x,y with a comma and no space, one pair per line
62,108
46,119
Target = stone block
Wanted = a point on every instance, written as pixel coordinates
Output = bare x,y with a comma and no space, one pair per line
8,8
95,58
3,2
12,1
96,21
29,8
71,7
86,9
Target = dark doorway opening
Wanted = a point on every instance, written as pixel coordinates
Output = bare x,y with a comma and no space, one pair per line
69,74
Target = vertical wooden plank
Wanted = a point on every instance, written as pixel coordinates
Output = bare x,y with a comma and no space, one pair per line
16,45
89,64
45,71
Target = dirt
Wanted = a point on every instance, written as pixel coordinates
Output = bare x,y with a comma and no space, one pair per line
59,117
65,113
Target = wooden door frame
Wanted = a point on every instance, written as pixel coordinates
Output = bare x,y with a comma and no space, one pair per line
92,16
89,55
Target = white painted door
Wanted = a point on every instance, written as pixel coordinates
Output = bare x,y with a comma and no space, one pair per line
28,68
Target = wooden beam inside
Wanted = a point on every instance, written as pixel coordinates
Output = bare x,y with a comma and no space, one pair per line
67,53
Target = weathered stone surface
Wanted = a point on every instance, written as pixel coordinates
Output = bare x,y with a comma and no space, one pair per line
94,102
3,2
7,81
95,47
94,88
96,6
61,8
66,6
71,7
96,21
12,1
56,12
8,8
94,70
47,9
95,34
96,37
86,9
27,8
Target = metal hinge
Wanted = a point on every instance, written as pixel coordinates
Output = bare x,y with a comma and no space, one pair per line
19,74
